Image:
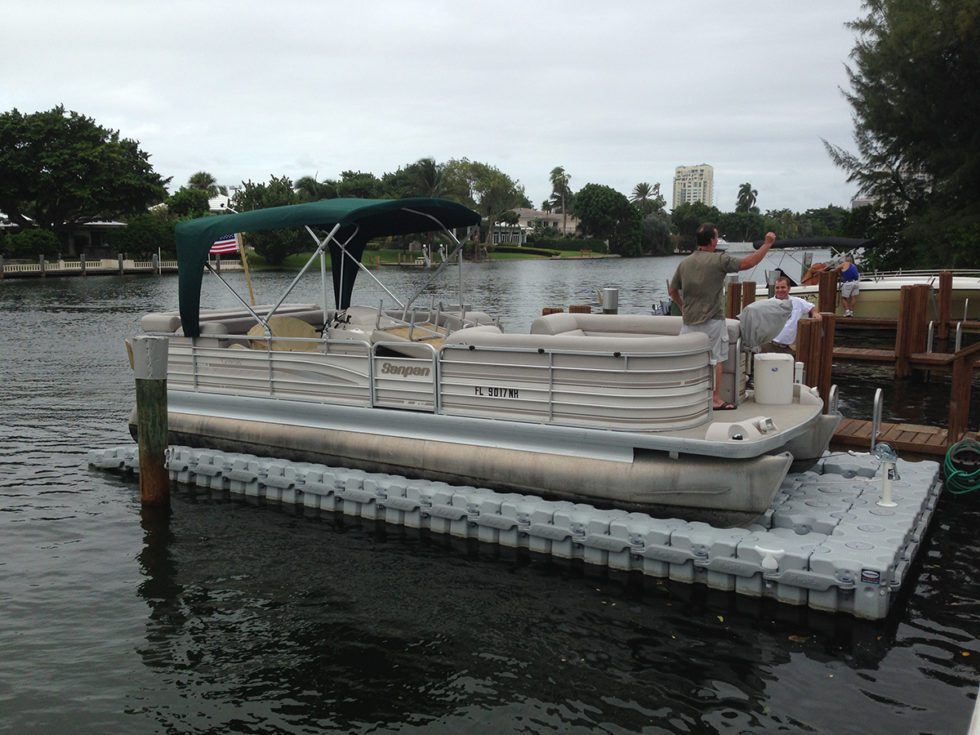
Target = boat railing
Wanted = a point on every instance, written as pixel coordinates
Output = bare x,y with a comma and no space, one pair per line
633,391
918,273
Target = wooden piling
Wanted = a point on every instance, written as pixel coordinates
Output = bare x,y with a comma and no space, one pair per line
815,349
945,303
552,310
959,394
580,309
748,294
733,296
150,367
912,328
827,291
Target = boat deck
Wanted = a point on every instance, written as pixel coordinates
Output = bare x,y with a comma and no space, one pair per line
826,542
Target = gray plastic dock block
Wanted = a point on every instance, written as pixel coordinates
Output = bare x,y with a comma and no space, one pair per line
826,542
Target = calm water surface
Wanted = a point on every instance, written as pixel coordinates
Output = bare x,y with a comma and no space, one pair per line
223,616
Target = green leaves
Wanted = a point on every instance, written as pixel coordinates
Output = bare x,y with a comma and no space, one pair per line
60,169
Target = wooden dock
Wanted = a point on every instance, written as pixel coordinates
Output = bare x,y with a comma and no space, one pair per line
913,438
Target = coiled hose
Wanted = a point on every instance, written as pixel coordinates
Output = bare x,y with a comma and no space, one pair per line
962,467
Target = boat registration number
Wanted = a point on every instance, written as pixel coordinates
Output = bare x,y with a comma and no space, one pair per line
493,391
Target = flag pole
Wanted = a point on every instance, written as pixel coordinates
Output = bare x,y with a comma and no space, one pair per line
248,275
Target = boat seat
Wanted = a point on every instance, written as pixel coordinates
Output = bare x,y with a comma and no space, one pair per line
287,331
632,326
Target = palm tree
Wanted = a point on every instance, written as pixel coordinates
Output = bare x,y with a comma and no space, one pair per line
746,198
206,182
647,198
559,188
311,190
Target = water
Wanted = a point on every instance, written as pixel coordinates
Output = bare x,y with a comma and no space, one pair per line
224,616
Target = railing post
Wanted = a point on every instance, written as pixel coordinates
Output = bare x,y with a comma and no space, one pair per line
945,302
827,291
150,368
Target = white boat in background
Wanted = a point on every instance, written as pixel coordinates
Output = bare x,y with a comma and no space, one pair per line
608,409
880,290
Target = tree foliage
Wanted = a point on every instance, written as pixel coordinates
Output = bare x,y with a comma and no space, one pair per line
146,233
648,199
273,245
205,182
915,91
31,242
746,199
188,202
687,216
487,189
605,213
60,169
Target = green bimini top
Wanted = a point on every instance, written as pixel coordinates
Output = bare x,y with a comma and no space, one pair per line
360,220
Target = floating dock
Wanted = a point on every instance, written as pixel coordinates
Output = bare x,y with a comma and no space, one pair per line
827,542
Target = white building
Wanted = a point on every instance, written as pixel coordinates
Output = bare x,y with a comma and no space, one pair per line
694,184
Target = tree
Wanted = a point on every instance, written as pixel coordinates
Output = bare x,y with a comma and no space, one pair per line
741,226
273,245
655,235
687,217
485,188
648,199
605,213
205,182
308,189
31,242
561,193
914,91
746,199
60,169
187,202
144,234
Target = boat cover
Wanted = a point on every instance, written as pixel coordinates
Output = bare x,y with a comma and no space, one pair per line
360,220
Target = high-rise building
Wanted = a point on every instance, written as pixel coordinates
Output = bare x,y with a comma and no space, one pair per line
694,184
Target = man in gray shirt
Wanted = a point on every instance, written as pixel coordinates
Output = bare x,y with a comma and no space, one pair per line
698,290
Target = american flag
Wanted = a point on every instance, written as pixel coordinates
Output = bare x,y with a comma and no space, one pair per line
224,245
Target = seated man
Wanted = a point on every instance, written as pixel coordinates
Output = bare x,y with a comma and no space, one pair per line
784,341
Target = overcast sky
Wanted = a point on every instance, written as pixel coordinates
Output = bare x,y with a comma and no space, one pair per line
615,92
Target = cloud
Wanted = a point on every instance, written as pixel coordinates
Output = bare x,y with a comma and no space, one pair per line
616,93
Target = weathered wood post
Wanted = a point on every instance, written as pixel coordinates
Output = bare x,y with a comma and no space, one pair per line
912,328
827,291
959,393
122,267
748,294
44,265
945,302
815,349
733,295
1,267
150,367
156,263
81,263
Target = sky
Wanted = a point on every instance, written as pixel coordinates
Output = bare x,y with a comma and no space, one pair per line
616,92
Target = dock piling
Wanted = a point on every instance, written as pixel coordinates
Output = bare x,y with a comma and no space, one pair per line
150,367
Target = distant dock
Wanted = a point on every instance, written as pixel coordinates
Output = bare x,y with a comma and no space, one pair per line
98,267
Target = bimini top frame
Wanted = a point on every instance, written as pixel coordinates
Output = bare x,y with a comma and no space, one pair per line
351,223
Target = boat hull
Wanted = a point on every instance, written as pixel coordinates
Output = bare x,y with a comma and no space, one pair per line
686,486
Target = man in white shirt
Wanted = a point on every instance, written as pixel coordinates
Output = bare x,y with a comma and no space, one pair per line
784,341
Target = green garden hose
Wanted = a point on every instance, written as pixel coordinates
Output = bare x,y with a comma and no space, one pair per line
962,467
